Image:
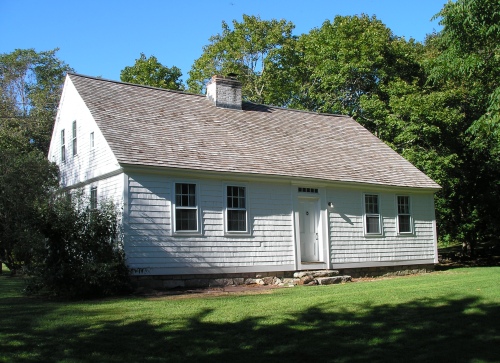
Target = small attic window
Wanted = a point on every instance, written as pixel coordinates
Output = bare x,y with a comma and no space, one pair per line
74,141
308,190
92,144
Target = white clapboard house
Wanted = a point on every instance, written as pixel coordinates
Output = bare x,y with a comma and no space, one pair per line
213,185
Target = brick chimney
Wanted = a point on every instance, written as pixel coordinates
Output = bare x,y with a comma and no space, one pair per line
225,92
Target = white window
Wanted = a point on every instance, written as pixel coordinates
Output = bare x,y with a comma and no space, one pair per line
92,140
74,139
236,209
372,214
186,208
63,147
93,197
404,214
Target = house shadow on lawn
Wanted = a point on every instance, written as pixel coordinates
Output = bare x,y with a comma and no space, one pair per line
447,330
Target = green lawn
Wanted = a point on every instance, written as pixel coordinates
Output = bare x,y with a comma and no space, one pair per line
449,316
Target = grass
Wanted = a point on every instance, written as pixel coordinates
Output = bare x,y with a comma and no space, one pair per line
449,316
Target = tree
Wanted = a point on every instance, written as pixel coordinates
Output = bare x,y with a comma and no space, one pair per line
350,57
30,87
248,50
27,180
150,72
469,63
445,119
82,254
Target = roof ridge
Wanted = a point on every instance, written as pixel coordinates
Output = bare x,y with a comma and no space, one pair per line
297,110
133,84
200,95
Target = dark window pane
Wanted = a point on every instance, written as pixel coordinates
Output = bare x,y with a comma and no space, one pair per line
372,224
93,198
403,205
186,220
404,224
236,220
185,195
371,204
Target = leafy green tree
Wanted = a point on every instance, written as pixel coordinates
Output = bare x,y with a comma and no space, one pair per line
30,87
350,57
248,50
445,119
27,180
150,72
82,255
469,63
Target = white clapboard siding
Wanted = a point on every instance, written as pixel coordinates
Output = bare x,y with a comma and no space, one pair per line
151,246
89,162
109,189
349,245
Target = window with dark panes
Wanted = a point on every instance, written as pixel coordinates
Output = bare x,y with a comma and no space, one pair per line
372,215
74,139
63,147
404,216
93,197
236,209
186,208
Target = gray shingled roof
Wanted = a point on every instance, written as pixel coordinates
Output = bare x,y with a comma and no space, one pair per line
156,127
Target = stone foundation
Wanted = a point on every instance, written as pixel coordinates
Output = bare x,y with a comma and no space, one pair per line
288,278
387,270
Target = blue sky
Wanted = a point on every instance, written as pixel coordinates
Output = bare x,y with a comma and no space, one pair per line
101,37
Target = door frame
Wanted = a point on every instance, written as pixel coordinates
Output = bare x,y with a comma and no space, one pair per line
323,250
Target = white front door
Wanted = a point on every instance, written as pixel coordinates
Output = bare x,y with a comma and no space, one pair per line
308,224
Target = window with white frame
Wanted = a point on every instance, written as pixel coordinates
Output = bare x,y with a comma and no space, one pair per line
63,147
372,214
92,140
236,209
404,214
186,208
74,139
93,198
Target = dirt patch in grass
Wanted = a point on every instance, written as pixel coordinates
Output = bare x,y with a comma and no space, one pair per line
183,293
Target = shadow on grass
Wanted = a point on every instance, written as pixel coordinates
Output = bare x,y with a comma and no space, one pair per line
450,330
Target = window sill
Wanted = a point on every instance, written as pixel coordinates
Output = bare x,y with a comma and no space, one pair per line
237,234
187,234
373,235
406,234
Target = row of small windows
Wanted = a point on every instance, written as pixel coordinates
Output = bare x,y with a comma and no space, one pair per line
308,190
74,141
186,209
373,223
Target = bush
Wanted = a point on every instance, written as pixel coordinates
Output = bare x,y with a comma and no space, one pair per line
82,255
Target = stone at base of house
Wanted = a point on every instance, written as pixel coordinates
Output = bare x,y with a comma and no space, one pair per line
285,278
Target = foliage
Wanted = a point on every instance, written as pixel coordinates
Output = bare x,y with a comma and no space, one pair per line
30,87
27,179
150,72
248,50
469,64
443,317
350,57
82,255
